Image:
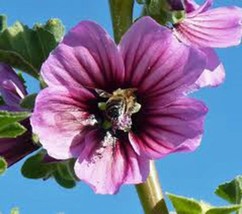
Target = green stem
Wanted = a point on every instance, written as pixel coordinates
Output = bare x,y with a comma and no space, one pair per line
150,194
122,16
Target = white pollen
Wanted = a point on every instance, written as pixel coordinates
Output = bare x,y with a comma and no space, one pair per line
90,121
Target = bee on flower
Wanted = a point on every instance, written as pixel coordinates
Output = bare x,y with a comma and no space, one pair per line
116,107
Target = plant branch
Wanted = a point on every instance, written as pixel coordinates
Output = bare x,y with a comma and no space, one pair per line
122,16
150,194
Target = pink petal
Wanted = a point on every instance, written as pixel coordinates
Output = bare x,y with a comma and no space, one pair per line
190,145
196,9
156,62
190,5
214,74
105,169
176,127
95,60
219,27
138,169
61,113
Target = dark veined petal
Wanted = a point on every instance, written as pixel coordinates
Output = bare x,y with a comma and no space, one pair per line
59,116
220,27
11,87
176,127
106,164
157,63
87,56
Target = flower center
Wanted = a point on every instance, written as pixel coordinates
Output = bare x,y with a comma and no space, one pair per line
118,109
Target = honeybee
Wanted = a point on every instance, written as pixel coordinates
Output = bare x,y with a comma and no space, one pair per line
121,102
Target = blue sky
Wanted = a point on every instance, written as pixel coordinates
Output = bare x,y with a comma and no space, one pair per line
195,174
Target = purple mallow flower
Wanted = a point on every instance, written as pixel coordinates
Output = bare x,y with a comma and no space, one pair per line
12,91
114,108
207,28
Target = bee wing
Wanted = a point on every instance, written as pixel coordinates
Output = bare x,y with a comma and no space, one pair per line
103,93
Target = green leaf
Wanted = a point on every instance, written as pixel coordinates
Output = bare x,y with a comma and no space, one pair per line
34,168
25,48
65,169
3,165
56,28
66,183
15,210
184,205
223,210
9,126
64,174
231,191
28,102
62,171
12,130
7,117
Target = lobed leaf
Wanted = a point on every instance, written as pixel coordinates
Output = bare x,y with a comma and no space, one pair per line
36,167
7,117
9,126
185,205
62,181
12,130
223,210
25,48
231,191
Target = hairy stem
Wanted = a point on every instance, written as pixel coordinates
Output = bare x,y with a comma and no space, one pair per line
150,194
122,16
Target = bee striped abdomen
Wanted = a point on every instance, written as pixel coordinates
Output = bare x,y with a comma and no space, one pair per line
118,109
114,109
